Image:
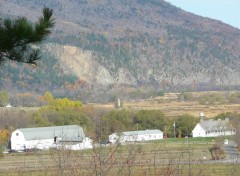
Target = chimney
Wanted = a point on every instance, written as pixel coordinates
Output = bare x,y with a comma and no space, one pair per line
201,116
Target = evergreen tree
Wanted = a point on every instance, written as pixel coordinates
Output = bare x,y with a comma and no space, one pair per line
17,37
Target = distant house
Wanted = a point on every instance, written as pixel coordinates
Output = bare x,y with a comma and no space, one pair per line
136,136
69,136
8,105
213,128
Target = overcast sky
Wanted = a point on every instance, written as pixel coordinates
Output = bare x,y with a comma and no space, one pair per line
227,11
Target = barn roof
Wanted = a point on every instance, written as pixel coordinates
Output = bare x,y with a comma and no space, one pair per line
63,133
141,132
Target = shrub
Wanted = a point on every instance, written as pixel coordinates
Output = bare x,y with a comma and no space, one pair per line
234,97
217,151
185,96
213,98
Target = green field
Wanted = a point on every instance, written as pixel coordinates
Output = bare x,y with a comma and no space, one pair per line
164,157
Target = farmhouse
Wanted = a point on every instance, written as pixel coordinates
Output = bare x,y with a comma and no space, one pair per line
136,136
213,128
69,136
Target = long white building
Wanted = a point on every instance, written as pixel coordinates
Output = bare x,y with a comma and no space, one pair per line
69,136
136,136
213,128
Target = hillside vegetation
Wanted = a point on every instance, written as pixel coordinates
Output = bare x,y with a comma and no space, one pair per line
102,49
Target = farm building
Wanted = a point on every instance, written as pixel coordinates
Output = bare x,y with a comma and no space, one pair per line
213,128
69,136
136,136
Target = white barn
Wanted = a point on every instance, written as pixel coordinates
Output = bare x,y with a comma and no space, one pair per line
136,136
69,136
213,128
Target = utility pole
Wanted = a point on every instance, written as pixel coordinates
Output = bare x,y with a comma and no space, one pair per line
174,131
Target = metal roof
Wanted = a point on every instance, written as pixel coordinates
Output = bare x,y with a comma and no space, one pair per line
213,125
63,133
141,132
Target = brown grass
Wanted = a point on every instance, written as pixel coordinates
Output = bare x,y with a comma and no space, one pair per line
171,106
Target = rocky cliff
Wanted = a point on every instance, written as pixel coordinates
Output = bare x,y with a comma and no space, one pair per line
120,46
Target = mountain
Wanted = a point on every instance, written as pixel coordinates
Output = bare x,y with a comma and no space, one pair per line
102,49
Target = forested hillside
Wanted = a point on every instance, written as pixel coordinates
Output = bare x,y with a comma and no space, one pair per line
140,48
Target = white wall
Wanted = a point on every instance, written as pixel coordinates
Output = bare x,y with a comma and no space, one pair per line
17,140
40,144
144,137
220,133
198,131
113,138
86,144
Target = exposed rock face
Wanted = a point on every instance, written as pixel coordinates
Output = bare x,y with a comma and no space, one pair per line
84,64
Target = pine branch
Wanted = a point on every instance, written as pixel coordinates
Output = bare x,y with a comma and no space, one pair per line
18,36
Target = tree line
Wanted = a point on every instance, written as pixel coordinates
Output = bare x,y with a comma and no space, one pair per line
97,123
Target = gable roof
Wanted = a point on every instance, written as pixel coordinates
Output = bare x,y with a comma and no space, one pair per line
213,125
141,132
63,133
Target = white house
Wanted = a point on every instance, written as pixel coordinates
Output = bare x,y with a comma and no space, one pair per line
69,136
8,105
213,128
136,136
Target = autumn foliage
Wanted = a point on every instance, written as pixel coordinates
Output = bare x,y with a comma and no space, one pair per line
4,136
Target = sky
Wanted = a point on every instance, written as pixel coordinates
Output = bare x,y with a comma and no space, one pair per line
227,11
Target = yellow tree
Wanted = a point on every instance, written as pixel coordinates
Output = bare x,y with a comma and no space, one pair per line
4,136
48,97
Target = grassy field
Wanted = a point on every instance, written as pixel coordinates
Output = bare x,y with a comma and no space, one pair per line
164,157
175,108
171,106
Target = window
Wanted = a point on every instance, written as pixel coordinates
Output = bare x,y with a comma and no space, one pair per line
16,134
